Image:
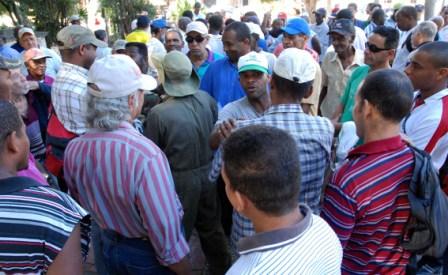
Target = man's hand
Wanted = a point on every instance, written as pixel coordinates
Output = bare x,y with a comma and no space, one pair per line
33,85
225,128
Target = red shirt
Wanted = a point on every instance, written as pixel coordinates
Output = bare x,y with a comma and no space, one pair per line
367,205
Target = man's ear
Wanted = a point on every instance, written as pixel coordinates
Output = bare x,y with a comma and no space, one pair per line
12,143
309,92
442,73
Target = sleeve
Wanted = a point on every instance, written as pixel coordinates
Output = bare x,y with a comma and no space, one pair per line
161,211
227,112
317,86
207,81
339,211
346,94
153,128
66,215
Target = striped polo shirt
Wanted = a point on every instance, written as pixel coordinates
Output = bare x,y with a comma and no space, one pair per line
307,247
35,223
123,179
367,205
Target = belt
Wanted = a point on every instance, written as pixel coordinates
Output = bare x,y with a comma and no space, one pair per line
118,237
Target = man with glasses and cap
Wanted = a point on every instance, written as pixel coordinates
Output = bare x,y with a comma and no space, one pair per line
380,51
199,55
180,126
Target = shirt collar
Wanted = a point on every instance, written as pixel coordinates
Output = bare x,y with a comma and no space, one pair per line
284,108
377,146
277,238
436,96
77,68
357,60
14,184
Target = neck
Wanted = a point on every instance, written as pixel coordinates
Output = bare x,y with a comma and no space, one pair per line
260,104
349,52
199,58
6,172
380,66
276,100
434,90
381,130
265,223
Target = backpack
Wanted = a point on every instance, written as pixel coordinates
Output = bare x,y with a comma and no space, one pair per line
427,229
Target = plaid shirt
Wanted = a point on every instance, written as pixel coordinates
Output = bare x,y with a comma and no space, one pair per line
314,136
69,97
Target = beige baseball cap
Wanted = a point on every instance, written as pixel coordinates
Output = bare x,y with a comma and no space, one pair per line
25,30
74,36
34,54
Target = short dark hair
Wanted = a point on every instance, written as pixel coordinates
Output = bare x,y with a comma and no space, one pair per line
263,164
10,120
390,92
101,35
203,21
142,48
353,5
241,30
390,34
409,12
379,16
291,88
229,21
438,52
183,22
215,22
188,13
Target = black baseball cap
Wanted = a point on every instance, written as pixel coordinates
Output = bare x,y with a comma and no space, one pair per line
321,11
343,26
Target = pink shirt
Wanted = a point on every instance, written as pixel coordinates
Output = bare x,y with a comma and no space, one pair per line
33,172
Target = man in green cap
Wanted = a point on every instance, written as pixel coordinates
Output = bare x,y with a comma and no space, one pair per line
180,126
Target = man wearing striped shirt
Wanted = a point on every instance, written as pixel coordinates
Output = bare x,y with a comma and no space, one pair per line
366,202
42,231
262,175
124,179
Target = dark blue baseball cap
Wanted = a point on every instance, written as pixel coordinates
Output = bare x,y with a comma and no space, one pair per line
297,26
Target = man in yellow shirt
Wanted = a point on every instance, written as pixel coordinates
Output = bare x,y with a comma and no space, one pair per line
141,33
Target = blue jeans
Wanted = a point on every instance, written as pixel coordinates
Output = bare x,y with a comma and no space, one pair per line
124,256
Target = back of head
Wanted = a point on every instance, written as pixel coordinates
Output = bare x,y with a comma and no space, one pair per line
216,22
10,120
101,35
391,35
390,92
345,14
379,16
437,52
262,163
427,29
408,12
188,13
142,48
183,22
143,22
241,30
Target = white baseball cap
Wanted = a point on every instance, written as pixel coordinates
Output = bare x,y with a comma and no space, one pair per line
197,26
25,30
295,65
254,28
116,76
253,62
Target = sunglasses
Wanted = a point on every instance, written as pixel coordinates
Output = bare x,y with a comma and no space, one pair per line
198,39
374,48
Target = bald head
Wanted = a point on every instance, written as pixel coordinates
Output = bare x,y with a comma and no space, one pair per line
438,20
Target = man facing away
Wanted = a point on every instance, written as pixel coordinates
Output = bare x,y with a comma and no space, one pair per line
366,201
41,230
124,179
261,172
180,126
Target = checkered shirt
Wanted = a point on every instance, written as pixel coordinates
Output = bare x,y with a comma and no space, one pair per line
313,135
69,97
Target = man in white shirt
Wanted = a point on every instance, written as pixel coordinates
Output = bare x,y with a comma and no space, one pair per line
321,29
406,22
427,124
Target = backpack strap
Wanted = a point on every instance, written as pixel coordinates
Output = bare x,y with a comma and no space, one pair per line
15,184
442,129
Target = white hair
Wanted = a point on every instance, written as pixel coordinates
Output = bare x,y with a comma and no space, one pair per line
427,29
107,113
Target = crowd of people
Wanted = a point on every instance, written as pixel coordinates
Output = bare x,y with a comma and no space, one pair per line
288,147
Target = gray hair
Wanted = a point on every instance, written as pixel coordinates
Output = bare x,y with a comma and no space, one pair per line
427,29
107,113
176,31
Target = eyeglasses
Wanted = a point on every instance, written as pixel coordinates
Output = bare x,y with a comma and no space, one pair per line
198,39
374,48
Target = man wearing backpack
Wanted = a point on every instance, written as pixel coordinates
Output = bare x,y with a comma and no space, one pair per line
427,124
366,203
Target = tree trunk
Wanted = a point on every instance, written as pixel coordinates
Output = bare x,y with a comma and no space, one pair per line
429,8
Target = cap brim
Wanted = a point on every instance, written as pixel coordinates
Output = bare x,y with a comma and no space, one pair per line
40,57
341,32
188,87
98,43
253,68
148,83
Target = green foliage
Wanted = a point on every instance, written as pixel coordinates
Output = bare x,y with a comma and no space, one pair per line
181,6
122,12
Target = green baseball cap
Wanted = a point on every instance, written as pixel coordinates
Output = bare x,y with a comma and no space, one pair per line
74,36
